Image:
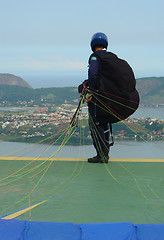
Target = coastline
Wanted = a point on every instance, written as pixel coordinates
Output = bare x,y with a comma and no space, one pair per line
71,143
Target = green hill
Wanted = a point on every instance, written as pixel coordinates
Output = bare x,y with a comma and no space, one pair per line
58,96
151,91
10,79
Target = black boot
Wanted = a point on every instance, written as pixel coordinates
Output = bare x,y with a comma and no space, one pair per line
95,159
98,159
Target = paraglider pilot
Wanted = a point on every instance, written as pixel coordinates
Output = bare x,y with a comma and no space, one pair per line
99,129
107,73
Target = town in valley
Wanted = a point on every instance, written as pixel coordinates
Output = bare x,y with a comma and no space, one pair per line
30,122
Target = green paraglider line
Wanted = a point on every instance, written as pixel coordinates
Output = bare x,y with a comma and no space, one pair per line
67,135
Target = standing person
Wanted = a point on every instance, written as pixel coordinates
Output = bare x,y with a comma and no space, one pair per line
107,74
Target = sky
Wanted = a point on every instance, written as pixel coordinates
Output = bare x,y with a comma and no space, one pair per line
47,42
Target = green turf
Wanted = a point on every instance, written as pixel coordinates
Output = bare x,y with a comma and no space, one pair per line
80,192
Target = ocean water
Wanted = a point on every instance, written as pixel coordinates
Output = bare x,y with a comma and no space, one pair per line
121,149
149,112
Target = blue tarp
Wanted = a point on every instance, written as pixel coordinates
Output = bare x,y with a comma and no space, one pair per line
25,230
108,231
12,229
150,231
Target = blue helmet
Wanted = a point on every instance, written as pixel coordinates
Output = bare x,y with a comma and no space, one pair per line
99,39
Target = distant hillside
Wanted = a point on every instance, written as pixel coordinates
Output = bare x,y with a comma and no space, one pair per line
10,79
151,90
57,96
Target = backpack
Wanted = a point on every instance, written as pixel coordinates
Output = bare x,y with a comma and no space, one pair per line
116,88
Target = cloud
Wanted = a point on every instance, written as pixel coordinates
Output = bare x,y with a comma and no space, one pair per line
52,63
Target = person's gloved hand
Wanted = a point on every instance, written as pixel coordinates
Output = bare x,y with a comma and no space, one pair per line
80,88
83,86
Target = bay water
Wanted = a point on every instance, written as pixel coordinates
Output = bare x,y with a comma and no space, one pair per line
121,149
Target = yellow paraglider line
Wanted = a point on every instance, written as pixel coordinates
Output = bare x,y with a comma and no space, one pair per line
73,175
